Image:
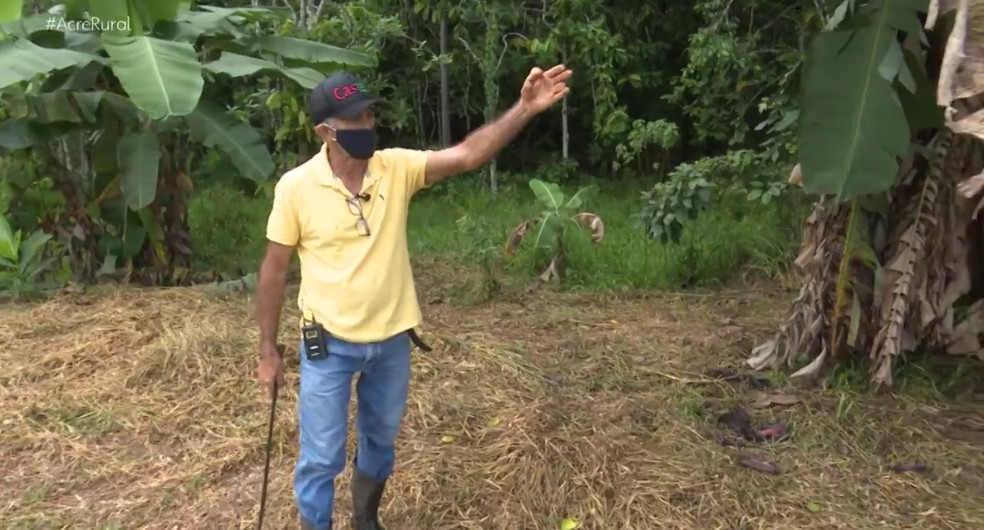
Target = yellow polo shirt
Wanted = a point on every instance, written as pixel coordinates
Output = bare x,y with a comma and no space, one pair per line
360,288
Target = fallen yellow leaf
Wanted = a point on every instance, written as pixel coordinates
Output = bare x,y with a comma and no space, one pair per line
494,422
568,524
447,438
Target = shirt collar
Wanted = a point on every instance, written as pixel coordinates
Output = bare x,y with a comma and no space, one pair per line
326,176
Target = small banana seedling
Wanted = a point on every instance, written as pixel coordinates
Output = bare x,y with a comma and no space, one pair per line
549,229
22,262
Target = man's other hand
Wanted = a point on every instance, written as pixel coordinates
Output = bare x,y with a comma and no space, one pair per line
271,365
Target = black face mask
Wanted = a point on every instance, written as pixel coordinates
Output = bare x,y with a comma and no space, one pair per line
359,143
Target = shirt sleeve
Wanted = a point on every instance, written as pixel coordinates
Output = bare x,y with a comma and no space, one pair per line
282,225
415,162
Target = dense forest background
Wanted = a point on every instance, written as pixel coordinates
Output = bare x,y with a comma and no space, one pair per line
674,106
701,145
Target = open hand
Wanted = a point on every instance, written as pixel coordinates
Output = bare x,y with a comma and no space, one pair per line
543,89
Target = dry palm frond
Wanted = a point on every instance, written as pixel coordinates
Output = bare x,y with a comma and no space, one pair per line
962,69
796,176
972,186
927,252
591,222
937,8
517,235
961,91
803,335
906,269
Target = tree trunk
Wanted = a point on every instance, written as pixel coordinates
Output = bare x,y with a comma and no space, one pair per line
565,131
910,302
445,89
885,284
165,258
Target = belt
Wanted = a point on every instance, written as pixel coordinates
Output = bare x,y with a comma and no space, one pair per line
417,341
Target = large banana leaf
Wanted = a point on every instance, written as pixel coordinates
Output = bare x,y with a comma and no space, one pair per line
37,27
22,60
82,42
61,105
547,232
249,14
122,106
9,241
918,100
111,12
193,24
852,127
310,52
214,20
69,106
582,196
10,10
15,135
235,65
72,9
549,193
138,156
24,26
153,12
215,128
85,78
30,249
163,78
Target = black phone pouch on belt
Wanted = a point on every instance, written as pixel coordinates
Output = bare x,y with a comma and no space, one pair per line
315,345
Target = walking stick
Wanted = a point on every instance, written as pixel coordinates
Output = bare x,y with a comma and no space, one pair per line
269,444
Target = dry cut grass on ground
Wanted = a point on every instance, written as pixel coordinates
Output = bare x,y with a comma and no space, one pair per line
137,409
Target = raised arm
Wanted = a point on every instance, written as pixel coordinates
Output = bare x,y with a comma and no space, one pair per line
540,91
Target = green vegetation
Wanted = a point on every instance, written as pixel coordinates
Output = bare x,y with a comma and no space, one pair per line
148,151
721,247
137,177
575,381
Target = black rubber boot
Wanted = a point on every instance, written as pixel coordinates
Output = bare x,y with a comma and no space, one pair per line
366,494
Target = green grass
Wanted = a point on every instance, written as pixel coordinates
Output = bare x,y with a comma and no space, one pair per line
227,230
720,247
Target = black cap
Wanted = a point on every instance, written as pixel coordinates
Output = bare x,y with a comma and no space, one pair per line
340,95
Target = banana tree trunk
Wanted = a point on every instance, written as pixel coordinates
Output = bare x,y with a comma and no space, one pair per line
885,284
165,258
908,302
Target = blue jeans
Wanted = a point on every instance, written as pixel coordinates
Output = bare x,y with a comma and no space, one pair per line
381,394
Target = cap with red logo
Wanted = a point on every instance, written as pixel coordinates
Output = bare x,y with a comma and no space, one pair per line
340,95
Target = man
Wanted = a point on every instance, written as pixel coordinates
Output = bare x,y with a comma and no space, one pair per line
345,212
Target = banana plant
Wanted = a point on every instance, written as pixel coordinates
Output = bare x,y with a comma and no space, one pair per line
143,95
22,261
551,226
888,134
